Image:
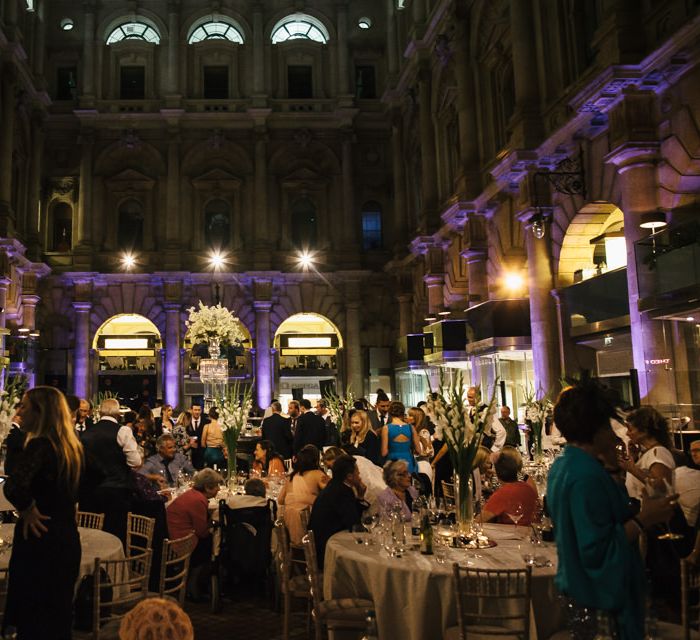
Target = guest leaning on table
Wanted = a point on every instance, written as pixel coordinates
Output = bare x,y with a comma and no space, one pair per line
599,564
46,547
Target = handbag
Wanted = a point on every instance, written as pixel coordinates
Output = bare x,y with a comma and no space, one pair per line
85,601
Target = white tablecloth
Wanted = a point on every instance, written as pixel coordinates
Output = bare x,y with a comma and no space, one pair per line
414,594
93,543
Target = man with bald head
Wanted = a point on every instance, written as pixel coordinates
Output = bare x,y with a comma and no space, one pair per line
110,452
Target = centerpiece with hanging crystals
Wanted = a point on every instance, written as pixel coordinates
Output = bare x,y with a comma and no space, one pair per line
463,428
217,327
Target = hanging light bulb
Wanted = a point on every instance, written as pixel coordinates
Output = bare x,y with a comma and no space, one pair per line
538,229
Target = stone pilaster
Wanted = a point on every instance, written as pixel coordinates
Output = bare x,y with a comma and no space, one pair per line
81,352
263,356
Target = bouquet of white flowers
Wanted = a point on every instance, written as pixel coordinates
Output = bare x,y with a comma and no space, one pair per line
338,407
10,397
536,411
206,322
233,418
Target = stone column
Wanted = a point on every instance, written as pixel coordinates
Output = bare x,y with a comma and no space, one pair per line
353,346
40,41
263,231
172,374
419,11
173,71
7,127
405,314
33,192
343,71
430,220
172,220
477,275
350,216
88,75
81,352
82,227
545,337
263,361
258,50
400,214
436,300
29,303
10,19
4,288
391,45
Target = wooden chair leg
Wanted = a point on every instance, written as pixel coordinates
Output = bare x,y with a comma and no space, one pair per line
285,614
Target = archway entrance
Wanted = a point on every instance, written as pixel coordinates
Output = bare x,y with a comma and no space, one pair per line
128,350
308,357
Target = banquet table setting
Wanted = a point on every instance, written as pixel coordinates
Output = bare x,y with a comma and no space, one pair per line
417,593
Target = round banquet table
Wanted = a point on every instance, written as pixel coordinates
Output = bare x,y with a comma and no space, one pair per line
93,544
414,594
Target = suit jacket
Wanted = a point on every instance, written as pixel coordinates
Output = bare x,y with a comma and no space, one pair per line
198,453
336,509
311,429
278,430
104,457
374,420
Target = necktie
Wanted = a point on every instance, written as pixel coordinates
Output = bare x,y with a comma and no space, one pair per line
294,425
196,425
168,475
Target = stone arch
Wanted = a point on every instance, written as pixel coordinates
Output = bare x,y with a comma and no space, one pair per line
138,298
321,17
238,20
313,155
308,297
204,156
118,157
112,20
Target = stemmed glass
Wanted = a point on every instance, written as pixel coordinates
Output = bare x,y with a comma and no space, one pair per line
516,514
370,522
660,489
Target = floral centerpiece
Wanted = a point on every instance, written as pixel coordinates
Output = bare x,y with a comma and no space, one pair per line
233,418
463,428
10,397
338,408
214,325
536,411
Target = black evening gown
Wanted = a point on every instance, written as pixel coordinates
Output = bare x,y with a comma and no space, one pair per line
43,571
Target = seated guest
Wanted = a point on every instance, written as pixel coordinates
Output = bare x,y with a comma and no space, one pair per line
255,495
190,513
363,440
512,491
156,618
339,506
482,473
416,418
371,475
164,467
306,482
267,462
399,493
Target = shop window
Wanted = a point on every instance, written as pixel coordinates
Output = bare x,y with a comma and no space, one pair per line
215,83
132,83
299,82
66,83
365,83
61,227
304,233
217,224
130,226
371,226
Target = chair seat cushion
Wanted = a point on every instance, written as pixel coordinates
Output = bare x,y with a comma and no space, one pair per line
345,609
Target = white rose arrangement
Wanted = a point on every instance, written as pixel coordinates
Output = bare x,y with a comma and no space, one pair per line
207,322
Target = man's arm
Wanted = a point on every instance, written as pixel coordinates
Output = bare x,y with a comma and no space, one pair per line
499,432
126,440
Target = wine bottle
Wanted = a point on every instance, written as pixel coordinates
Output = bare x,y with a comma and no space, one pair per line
426,533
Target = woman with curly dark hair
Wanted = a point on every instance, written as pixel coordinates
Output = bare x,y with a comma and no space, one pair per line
599,564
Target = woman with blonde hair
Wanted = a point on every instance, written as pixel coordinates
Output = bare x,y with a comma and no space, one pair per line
363,440
415,416
45,557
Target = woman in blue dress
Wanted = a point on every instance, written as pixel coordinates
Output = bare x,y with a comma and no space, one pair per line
399,439
599,565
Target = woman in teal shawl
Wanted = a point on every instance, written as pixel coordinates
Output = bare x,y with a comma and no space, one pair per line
597,536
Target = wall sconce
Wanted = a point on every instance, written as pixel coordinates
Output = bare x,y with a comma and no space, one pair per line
653,220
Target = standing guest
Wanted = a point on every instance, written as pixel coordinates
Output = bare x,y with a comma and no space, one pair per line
400,440
164,423
195,432
363,441
597,538
110,450
73,407
332,435
278,430
267,462
399,494
83,416
339,506
14,443
190,513
379,418
510,427
182,439
416,418
311,429
294,412
164,467
306,482
158,409
512,492
46,551
213,442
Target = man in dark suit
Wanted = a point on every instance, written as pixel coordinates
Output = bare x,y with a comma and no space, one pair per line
110,452
311,429
332,435
339,506
379,418
278,430
195,433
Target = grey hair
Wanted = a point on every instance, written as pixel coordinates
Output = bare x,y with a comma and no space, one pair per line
163,439
276,407
206,478
392,470
110,407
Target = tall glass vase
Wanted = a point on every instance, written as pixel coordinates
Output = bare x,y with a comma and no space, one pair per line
231,467
464,503
214,347
537,453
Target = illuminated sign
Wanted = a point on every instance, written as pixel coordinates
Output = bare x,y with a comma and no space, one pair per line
126,343
309,343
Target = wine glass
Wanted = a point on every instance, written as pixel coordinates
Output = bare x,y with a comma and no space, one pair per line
370,521
358,533
515,513
666,488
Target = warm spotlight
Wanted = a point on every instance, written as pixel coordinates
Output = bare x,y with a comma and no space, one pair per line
306,260
216,260
514,282
128,261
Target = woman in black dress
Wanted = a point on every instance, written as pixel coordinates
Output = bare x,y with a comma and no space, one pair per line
45,559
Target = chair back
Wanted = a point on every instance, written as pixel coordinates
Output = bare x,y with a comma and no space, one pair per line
493,602
117,586
304,516
290,564
4,574
89,520
139,533
174,566
312,572
690,598
246,536
448,491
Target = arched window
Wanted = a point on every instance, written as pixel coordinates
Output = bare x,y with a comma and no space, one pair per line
217,224
134,31
219,29
130,225
299,26
371,226
304,234
61,227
